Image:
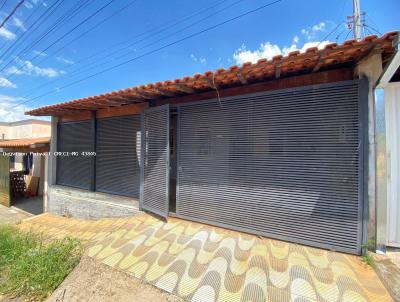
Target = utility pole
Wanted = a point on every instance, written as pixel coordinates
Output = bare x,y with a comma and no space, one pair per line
356,20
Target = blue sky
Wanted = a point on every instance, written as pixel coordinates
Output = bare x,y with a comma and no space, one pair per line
31,67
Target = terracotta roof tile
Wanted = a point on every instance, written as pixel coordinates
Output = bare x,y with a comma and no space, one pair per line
331,56
24,142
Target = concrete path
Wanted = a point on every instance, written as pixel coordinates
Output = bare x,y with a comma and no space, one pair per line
11,215
204,263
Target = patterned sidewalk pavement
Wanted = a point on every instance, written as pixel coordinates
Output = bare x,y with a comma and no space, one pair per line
203,263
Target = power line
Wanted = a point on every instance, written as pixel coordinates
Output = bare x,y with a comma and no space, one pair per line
3,4
160,39
331,32
181,20
25,22
36,24
163,28
67,33
63,18
158,49
375,30
90,29
12,13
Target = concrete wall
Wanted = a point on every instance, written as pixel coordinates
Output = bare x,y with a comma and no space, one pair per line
25,129
4,131
371,68
392,103
20,131
40,130
71,202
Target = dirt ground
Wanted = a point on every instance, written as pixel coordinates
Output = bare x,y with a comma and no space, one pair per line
97,282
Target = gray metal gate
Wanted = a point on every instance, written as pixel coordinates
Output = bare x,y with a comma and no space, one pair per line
285,164
73,168
117,158
154,195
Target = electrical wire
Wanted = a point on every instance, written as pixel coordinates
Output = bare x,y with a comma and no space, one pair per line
3,4
38,22
161,29
330,33
66,34
155,50
375,30
160,39
90,29
25,22
63,18
12,13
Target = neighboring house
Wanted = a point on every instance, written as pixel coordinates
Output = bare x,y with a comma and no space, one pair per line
22,138
282,148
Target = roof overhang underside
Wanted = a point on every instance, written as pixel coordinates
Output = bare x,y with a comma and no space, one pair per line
332,56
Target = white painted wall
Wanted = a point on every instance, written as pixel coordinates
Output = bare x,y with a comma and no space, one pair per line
25,129
392,113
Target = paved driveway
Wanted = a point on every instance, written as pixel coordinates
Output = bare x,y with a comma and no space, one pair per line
11,215
204,263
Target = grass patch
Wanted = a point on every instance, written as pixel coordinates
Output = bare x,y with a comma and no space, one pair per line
31,267
368,259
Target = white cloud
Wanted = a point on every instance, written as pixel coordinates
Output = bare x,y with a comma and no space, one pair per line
64,60
311,31
27,68
28,5
10,111
7,83
201,60
268,50
39,53
18,23
6,34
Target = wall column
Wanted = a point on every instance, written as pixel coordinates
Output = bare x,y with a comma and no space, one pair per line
371,68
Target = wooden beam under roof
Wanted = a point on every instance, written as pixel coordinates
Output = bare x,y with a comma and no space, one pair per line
183,88
163,92
142,95
321,60
278,67
241,77
211,82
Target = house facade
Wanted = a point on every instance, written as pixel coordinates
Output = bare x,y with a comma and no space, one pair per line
281,148
20,138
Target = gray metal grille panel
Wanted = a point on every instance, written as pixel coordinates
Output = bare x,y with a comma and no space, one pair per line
155,160
75,171
117,155
284,164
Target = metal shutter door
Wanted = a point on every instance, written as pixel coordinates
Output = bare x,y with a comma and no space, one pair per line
117,155
283,164
75,171
155,161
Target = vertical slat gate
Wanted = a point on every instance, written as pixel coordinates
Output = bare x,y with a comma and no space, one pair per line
73,168
283,164
154,195
117,158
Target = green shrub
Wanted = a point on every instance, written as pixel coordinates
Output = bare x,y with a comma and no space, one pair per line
31,267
